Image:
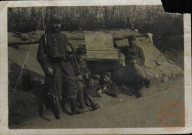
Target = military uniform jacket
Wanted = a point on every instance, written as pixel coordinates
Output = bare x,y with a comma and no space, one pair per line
132,53
55,51
83,66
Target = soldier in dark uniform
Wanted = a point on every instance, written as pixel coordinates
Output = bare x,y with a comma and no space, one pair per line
56,59
84,76
135,72
108,86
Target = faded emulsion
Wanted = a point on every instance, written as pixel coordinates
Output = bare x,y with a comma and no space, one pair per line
93,67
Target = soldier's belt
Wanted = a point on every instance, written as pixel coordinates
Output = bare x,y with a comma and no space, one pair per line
56,58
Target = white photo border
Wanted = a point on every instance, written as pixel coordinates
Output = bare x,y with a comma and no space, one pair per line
4,130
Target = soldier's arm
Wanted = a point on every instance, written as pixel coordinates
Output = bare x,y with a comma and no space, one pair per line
66,40
41,55
115,44
86,69
68,46
141,54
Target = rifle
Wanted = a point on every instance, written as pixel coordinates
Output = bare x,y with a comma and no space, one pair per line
51,97
94,104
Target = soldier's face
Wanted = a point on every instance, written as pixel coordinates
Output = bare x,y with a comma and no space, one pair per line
57,27
133,41
81,56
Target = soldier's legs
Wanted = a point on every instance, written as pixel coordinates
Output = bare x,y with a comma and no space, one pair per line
137,76
81,98
54,89
50,97
71,91
145,75
138,87
58,80
65,99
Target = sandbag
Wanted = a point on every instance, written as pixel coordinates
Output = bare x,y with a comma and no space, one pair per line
155,61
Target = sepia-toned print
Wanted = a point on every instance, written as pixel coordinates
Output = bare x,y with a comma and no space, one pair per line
95,67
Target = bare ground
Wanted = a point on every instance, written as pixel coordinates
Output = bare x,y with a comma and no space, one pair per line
123,111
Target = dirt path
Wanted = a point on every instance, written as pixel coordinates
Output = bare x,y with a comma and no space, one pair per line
124,111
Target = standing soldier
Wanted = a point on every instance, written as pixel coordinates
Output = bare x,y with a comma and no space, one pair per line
84,76
56,59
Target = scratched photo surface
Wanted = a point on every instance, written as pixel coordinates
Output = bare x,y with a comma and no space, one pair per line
95,67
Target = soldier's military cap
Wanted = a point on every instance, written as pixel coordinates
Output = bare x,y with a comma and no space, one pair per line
55,19
107,74
81,50
132,37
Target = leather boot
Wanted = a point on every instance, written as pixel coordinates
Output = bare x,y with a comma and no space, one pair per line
82,106
74,109
87,103
73,105
64,107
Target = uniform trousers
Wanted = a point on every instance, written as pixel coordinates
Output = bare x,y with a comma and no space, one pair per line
62,84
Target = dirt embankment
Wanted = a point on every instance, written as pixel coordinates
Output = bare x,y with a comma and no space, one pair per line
175,56
155,61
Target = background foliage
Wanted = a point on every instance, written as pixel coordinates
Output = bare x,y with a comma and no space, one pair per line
166,28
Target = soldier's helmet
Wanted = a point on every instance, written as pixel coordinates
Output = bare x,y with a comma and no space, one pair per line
55,19
81,50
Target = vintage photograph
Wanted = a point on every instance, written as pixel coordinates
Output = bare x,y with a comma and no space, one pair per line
75,67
